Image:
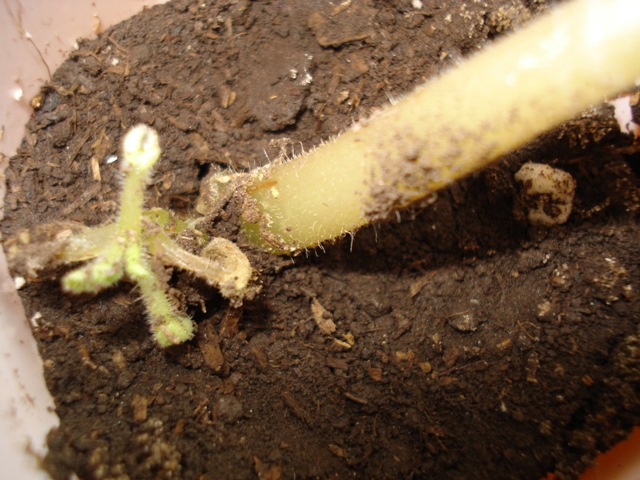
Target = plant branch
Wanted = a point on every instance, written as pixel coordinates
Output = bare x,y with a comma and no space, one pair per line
497,101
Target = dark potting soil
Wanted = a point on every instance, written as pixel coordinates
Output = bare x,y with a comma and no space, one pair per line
468,344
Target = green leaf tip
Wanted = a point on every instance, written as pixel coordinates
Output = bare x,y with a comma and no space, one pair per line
140,149
92,277
173,331
168,327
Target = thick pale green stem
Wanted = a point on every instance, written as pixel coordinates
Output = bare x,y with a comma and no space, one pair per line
495,102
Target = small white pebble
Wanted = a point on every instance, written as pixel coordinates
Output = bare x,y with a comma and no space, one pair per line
305,79
624,115
110,159
34,319
19,282
550,193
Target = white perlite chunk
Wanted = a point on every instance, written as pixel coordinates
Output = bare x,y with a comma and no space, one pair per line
623,113
547,193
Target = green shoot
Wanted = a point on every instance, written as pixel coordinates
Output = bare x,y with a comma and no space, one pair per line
134,247
125,253
497,101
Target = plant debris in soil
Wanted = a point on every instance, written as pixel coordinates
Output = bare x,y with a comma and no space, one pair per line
459,342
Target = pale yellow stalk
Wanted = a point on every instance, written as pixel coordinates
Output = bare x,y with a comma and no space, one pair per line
498,100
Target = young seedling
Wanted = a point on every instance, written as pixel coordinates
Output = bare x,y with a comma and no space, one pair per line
134,247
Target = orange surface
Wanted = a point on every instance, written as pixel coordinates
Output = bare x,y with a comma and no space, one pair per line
622,462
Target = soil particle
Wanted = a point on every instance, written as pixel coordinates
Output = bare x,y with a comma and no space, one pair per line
464,322
336,25
460,342
229,409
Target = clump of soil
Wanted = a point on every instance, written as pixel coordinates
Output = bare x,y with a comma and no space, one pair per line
466,345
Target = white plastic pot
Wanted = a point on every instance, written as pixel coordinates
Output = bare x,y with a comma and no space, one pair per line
26,27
